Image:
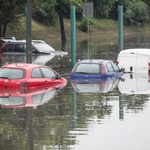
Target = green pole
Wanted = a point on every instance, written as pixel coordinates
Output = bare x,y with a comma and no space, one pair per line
120,16
73,37
27,44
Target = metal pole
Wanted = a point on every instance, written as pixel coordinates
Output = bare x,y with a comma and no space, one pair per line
73,37
28,37
27,45
88,37
120,17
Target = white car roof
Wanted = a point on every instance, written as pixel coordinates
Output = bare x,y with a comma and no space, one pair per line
144,51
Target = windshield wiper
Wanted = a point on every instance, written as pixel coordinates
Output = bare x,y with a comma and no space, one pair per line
4,77
82,72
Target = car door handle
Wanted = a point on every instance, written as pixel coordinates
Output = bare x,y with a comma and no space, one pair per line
46,81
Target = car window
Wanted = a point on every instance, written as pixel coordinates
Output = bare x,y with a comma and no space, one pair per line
48,73
42,47
12,73
88,68
8,48
19,48
116,68
109,67
36,73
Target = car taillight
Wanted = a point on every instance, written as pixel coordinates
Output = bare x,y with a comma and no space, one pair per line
117,62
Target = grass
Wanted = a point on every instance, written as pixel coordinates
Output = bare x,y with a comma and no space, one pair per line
104,29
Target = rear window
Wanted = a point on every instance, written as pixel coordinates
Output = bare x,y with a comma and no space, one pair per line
43,47
12,73
88,68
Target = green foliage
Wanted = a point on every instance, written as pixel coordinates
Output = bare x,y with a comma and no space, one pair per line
10,11
84,24
44,12
68,3
102,8
136,13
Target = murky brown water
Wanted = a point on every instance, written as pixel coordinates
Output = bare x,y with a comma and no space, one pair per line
85,120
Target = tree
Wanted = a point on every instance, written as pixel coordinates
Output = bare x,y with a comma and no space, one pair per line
63,36
10,11
103,7
136,12
44,12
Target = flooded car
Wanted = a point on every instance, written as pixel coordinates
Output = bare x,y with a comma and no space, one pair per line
25,75
95,69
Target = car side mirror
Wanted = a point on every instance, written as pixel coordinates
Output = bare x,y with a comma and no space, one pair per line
122,70
57,76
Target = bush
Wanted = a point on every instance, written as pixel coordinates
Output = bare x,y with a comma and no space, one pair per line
136,13
84,24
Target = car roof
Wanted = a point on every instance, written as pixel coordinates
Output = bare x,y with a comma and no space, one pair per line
21,65
144,51
97,61
22,41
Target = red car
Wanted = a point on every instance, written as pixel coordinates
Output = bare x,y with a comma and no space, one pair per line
25,75
16,98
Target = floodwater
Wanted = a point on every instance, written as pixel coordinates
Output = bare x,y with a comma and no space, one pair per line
107,116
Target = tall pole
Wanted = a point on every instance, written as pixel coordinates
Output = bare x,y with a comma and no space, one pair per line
73,37
28,33
120,17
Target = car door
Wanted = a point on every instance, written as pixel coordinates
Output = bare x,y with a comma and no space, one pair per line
110,70
42,76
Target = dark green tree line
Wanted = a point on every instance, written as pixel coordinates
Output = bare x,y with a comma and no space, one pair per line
48,12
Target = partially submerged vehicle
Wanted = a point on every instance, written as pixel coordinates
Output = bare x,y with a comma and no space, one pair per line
95,69
134,60
26,75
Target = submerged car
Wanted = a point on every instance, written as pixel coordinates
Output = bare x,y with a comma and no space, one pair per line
95,69
19,46
25,75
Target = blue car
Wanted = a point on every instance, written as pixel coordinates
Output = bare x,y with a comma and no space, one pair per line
95,69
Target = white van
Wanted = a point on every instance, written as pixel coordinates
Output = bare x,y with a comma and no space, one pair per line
134,60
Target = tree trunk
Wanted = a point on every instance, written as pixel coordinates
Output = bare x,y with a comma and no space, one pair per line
4,30
63,36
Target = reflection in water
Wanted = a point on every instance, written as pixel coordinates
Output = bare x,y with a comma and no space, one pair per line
97,86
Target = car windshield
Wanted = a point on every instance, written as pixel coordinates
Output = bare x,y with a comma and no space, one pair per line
12,73
43,47
88,68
